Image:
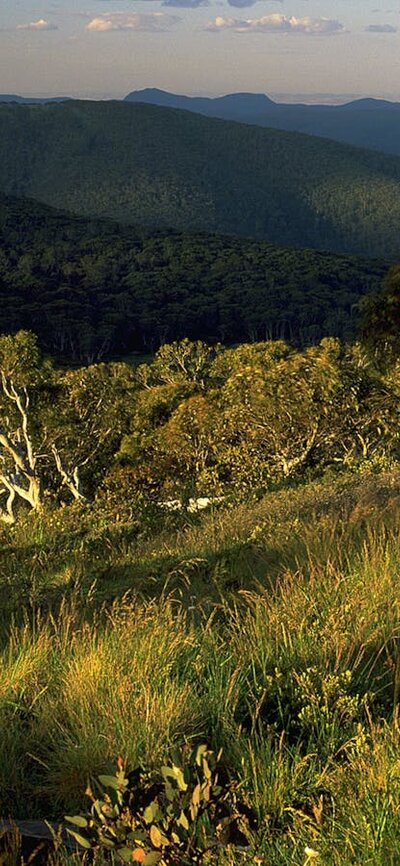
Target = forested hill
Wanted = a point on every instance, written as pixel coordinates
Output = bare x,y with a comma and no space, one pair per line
171,168
95,289
372,123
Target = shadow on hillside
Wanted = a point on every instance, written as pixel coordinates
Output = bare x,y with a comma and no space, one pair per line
199,580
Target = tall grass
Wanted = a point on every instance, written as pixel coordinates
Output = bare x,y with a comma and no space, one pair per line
293,669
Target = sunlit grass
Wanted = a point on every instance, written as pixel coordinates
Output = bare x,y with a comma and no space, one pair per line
293,669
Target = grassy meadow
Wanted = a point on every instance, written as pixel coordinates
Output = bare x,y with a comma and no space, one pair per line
269,629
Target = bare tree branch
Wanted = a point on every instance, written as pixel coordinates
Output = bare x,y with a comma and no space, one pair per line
70,479
18,447
8,515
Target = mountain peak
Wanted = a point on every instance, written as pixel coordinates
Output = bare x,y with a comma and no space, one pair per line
229,105
369,103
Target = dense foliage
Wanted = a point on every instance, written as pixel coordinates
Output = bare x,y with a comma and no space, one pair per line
380,319
94,289
178,816
170,168
198,421
242,419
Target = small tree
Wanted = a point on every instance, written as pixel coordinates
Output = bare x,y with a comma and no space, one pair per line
20,369
20,460
19,472
59,430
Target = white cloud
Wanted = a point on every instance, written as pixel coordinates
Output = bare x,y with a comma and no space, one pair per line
381,28
118,21
42,24
277,23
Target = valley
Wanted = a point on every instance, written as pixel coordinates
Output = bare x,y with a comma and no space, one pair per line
167,168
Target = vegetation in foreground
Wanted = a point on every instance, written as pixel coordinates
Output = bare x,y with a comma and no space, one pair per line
264,631
267,628
270,631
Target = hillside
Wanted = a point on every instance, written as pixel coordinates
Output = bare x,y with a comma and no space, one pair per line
93,288
163,167
371,123
265,628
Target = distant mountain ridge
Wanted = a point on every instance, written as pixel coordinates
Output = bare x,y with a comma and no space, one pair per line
367,122
32,100
370,123
367,104
169,168
229,107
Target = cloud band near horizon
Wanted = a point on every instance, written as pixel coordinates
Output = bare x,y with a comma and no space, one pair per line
277,23
41,25
135,21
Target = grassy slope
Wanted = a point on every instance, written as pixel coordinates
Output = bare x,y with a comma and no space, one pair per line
172,168
288,660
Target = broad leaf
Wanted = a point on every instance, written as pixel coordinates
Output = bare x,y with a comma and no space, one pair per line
125,854
84,843
155,836
77,820
111,782
152,858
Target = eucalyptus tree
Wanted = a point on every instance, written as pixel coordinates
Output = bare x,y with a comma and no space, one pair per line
58,429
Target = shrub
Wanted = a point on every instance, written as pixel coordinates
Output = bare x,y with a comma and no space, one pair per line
176,816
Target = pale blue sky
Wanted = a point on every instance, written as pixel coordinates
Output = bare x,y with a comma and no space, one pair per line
105,48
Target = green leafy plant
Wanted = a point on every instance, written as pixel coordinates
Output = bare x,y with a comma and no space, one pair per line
178,815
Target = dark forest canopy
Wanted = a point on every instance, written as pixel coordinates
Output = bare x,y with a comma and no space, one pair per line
170,168
95,289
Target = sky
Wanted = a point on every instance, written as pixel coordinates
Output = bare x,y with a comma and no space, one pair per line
311,50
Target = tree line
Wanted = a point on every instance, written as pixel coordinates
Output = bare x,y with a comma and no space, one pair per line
198,420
